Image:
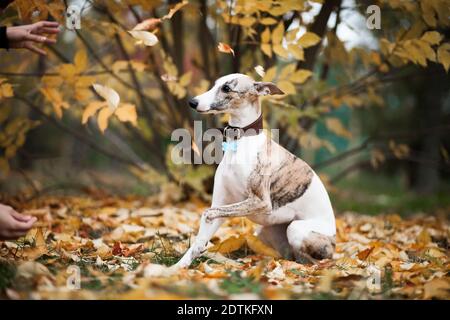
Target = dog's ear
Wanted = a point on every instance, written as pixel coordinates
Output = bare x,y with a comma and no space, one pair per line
266,88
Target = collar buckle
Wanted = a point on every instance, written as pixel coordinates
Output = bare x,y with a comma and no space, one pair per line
228,129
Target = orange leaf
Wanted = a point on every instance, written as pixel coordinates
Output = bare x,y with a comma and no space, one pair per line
225,48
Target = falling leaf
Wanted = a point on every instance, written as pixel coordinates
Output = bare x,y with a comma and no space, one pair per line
260,71
225,48
144,37
110,95
172,11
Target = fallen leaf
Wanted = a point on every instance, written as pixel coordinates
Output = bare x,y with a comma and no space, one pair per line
438,288
256,245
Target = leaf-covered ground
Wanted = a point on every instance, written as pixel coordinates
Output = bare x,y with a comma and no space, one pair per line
122,247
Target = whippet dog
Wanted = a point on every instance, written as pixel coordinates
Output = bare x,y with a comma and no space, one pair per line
272,187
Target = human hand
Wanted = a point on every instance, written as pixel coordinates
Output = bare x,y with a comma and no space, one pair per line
26,36
13,225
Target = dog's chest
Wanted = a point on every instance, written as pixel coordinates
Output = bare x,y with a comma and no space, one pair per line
231,178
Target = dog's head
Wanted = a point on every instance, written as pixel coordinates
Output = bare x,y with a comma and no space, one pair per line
231,92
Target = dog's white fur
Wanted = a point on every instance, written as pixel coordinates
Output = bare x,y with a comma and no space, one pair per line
286,228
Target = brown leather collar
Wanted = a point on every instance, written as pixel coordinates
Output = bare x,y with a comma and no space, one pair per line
236,133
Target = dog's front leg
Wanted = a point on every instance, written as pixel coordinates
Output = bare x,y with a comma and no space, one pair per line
205,233
252,205
211,220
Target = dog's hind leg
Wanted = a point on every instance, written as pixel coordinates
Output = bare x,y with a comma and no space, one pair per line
275,236
310,241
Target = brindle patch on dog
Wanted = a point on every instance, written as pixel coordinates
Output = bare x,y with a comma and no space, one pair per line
290,181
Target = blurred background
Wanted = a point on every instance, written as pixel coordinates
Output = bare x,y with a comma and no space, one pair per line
367,99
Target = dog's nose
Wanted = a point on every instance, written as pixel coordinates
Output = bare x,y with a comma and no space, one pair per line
193,103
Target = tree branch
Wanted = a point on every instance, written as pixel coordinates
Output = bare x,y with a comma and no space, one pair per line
77,134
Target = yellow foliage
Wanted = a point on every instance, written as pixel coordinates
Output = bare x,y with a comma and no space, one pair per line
309,39
335,125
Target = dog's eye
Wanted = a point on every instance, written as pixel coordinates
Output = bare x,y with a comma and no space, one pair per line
226,88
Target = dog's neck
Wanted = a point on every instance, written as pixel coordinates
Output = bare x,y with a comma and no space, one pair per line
245,114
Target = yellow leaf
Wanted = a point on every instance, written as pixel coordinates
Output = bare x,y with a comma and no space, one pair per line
268,21
281,51
81,60
127,112
256,245
91,109
296,51
54,96
225,48
424,237
265,35
326,281
202,87
185,79
229,245
6,90
287,87
103,117
300,76
426,49
39,247
443,55
287,71
270,74
291,35
432,37
266,49
438,288
335,126
68,72
119,65
277,34
309,39
110,95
